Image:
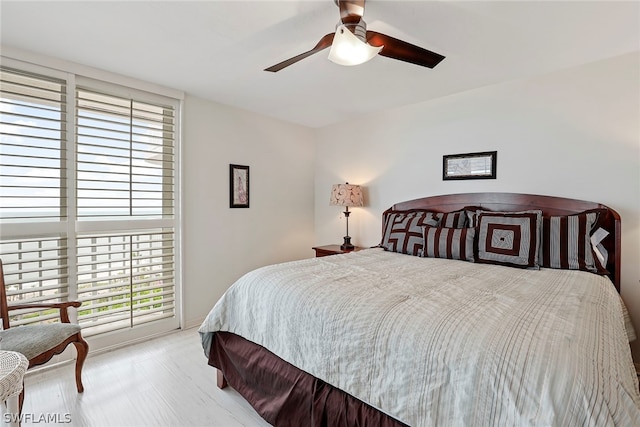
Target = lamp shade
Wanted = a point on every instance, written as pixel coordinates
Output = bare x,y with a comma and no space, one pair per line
348,49
346,195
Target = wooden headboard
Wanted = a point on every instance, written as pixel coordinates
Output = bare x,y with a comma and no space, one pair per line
549,205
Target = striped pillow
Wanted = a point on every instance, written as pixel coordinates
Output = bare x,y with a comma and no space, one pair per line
456,219
509,238
402,231
451,243
566,242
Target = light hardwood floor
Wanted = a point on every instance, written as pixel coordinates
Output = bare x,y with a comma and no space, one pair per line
161,382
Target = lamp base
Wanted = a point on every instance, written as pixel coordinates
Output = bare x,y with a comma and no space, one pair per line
347,246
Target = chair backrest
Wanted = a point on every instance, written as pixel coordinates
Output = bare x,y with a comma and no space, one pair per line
4,307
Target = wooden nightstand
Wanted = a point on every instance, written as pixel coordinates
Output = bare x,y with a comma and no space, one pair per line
332,250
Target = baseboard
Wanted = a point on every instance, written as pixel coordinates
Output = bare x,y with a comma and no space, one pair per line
193,323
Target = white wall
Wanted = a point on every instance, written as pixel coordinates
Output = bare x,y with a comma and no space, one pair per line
220,244
573,133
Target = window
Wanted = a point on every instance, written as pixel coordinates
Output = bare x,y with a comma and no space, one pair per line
125,279
33,152
125,171
87,200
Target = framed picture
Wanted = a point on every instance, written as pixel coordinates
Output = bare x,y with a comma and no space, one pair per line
469,166
238,186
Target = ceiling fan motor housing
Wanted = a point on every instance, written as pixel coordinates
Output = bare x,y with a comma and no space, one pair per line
359,29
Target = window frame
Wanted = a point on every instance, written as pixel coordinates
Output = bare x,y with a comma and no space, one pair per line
76,75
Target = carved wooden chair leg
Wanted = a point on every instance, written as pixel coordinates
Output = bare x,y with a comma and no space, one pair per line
82,349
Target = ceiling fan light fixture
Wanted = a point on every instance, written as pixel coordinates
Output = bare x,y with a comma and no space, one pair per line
353,44
348,49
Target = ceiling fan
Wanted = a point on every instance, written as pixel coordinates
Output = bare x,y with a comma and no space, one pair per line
353,44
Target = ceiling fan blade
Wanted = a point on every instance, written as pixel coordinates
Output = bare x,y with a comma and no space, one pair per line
324,43
403,51
351,11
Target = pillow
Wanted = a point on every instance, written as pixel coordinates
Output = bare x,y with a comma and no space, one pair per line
566,242
470,212
451,243
402,230
509,238
456,219
431,217
599,250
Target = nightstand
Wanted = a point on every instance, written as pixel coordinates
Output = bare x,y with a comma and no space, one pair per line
332,250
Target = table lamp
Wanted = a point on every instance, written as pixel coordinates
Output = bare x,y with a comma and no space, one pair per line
346,195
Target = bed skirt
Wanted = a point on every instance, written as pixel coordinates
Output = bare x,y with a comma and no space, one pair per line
283,394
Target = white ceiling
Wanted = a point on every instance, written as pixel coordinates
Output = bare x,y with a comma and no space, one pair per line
217,50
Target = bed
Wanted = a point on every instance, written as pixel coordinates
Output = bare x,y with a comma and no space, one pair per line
475,309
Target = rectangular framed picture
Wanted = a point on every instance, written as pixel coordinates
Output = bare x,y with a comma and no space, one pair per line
238,186
469,166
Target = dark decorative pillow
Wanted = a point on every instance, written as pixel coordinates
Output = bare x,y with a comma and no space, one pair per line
456,219
471,212
431,217
402,230
451,243
566,242
509,238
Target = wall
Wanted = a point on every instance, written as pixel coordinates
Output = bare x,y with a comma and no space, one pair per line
220,244
572,133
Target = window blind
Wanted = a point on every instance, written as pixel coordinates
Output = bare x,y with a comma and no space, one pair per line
87,201
125,157
35,271
32,187
33,151
125,279
125,171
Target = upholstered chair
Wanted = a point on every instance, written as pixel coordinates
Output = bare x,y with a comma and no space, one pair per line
39,343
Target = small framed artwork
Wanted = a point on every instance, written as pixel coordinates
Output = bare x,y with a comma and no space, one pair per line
470,166
238,186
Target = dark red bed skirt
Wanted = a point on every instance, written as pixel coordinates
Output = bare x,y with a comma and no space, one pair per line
283,394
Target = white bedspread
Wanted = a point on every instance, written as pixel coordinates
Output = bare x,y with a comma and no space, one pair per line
436,342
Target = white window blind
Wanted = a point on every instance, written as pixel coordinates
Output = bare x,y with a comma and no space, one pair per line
32,188
91,218
125,157
33,152
125,279
125,171
35,271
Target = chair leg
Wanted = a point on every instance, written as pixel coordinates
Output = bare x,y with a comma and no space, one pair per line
82,348
21,400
